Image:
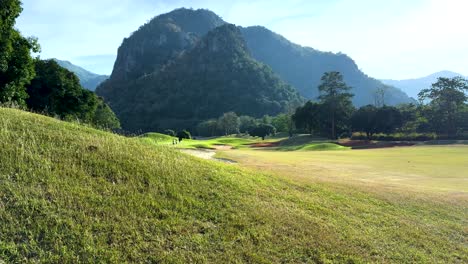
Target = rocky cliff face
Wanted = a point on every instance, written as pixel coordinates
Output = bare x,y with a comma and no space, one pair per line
160,41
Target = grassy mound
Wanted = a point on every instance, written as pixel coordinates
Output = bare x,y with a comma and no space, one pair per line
313,147
307,143
71,194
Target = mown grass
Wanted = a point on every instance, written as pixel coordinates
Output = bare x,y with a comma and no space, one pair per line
300,143
234,142
422,168
71,194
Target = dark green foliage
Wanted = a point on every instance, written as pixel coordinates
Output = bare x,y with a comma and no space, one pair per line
303,67
247,123
104,117
372,120
396,137
170,132
336,102
184,134
215,77
57,91
229,123
88,79
410,117
263,130
9,11
16,63
388,119
448,98
363,120
283,123
208,128
308,117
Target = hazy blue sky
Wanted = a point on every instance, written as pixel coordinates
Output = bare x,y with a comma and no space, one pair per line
387,38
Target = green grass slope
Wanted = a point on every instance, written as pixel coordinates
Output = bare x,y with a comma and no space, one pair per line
308,143
71,194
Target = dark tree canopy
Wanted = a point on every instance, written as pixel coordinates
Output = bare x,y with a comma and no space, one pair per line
263,130
363,120
184,134
308,117
16,62
372,120
448,97
57,91
247,124
208,128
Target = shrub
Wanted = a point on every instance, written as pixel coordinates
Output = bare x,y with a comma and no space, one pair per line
396,137
184,134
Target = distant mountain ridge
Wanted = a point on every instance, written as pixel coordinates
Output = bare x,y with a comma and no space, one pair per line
165,47
303,67
413,86
88,79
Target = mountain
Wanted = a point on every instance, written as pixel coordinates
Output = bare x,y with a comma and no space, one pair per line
88,79
303,67
160,81
216,76
413,86
161,40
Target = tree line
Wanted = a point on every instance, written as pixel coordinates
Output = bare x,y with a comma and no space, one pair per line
442,112
42,86
230,123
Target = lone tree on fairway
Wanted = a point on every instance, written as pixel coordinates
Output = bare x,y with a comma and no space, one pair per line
335,97
448,97
184,134
263,130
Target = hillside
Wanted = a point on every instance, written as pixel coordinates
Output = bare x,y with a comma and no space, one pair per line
88,79
413,86
214,77
303,67
72,194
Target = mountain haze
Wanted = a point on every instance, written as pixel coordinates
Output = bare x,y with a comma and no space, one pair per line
413,86
88,79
